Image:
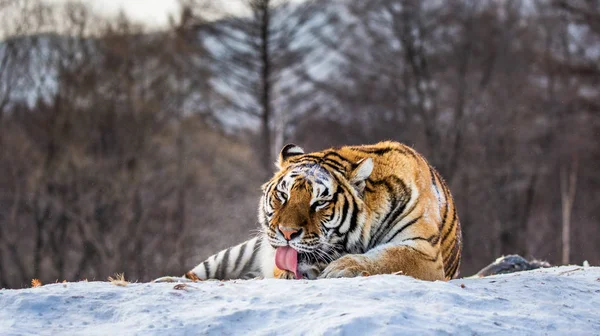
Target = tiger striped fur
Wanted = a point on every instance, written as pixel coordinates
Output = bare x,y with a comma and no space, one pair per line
372,209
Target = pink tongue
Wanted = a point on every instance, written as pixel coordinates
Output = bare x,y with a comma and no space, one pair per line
286,258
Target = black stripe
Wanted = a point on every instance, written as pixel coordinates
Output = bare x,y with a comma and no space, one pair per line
353,222
206,269
403,228
353,226
425,255
381,151
307,161
334,164
354,218
433,181
436,238
270,187
325,192
337,192
303,167
453,244
452,263
397,207
268,199
248,266
451,256
306,157
454,271
452,224
393,221
385,226
307,164
432,240
337,155
236,265
344,209
447,250
341,191
454,227
445,243
222,267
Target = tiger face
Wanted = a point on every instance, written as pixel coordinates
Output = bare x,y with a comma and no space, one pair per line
313,207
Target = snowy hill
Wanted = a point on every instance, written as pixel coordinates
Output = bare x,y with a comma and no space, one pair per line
562,300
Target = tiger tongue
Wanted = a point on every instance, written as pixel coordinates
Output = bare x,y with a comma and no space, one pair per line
286,258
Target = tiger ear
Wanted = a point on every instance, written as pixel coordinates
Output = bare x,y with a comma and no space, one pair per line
287,152
361,173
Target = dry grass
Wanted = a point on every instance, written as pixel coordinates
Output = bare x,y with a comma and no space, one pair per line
118,280
185,287
36,283
569,271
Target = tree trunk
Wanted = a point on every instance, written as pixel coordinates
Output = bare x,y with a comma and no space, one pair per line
568,184
262,7
181,191
278,133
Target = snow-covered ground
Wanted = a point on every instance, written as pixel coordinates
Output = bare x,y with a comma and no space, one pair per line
555,301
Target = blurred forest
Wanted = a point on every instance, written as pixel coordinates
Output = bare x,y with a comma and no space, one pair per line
126,148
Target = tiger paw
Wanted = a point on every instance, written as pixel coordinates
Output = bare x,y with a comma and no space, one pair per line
348,266
283,274
287,275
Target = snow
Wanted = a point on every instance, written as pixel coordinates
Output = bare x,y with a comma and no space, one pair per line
561,300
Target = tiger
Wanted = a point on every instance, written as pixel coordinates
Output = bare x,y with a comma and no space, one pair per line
346,212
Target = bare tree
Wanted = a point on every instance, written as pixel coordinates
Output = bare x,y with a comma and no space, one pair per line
254,58
137,150
568,187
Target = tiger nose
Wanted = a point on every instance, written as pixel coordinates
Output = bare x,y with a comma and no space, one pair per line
290,233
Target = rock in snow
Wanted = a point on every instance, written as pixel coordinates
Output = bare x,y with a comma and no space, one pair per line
554,301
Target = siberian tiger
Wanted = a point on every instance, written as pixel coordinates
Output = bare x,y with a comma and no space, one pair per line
346,212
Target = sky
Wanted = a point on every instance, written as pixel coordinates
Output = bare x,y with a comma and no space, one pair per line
151,12
154,13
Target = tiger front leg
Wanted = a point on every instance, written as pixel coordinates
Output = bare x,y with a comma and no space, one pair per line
408,260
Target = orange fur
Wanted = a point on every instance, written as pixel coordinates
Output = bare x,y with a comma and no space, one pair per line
429,248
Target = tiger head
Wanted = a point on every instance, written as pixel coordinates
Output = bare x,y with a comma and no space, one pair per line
314,204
